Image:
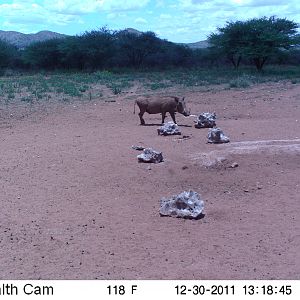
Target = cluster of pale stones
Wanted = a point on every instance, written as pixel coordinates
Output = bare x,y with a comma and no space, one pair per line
187,204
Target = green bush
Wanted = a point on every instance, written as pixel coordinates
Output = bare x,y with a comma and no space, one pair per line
243,81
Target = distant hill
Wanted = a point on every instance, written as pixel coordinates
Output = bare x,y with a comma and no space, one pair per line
197,45
132,30
22,40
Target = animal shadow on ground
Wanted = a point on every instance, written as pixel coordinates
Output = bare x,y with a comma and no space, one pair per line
156,124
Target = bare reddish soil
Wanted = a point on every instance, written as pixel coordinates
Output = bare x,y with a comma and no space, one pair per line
76,204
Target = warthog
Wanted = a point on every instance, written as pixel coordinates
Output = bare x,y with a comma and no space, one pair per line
161,105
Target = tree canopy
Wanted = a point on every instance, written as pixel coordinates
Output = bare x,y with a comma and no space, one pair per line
255,39
104,48
252,42
7,54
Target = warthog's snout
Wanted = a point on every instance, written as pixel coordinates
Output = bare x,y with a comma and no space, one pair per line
187,113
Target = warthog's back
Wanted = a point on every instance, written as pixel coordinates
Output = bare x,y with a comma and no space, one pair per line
155,105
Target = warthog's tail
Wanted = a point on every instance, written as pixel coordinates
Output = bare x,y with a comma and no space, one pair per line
134,107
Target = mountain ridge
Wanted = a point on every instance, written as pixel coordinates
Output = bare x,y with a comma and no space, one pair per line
23,40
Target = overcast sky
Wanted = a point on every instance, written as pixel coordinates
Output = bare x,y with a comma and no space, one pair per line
174,20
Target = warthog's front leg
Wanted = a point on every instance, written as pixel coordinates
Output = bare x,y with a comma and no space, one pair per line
173,117
163,116
141,113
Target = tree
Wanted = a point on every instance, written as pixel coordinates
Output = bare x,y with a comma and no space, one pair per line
169,54
72,56
134,48
91,50
97,47
7,54
228,42
256,39
45,54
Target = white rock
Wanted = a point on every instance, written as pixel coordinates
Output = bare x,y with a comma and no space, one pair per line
150,156
169,128
185,205
216,136
206,120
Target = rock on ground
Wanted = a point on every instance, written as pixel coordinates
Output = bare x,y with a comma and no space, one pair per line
206,120
150,156
139,148
216,136
185,205
169,128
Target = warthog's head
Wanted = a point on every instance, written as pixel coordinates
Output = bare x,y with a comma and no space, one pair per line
181,107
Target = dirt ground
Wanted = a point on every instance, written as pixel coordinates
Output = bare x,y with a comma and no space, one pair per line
76,204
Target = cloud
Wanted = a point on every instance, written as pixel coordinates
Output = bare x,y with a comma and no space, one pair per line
182,30
62,12
176,20
165,16
115,16
160,3
80,7
232,5
73,7
194,20
199,1
140,21
23,14
218,12
258,3
119,5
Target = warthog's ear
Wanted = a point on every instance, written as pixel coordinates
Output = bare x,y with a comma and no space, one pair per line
176,99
